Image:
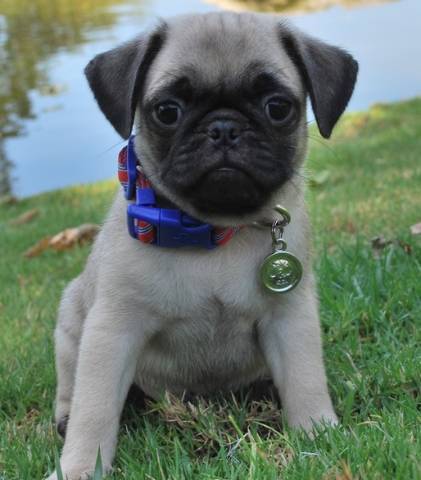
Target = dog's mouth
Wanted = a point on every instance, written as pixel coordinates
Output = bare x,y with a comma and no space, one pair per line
230,183
226,190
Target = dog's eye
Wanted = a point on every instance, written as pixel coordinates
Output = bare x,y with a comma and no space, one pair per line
168,113
278,110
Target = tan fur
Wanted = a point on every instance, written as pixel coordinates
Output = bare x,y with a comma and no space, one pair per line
189,319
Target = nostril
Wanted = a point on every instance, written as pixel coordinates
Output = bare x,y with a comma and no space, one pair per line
214,133
234,133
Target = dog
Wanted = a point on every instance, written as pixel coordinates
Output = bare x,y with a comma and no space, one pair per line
218,105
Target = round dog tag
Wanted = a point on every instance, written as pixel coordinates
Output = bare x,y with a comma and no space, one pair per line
281,271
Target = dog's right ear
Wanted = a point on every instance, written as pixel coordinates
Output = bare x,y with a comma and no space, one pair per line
329,74
116,77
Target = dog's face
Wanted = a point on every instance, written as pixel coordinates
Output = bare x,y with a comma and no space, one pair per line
225,134
221,105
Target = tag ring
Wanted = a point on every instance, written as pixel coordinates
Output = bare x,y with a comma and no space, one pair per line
282,222
277,232
286,217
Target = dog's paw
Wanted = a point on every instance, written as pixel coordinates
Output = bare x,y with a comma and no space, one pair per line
83,476
76,473
311,424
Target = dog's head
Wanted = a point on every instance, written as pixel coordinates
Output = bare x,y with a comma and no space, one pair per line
219,105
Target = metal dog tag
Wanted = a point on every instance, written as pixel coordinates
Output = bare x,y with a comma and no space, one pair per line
281,271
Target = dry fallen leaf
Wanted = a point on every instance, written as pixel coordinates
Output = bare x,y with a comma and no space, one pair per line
406,247
64,240
416,229
25,217
72,236
38,248
379,243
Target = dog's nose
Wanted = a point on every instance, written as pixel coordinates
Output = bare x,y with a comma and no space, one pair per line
224,132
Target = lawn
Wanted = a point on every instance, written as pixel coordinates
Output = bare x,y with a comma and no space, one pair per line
364,183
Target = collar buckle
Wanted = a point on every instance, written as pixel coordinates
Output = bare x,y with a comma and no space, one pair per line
173,227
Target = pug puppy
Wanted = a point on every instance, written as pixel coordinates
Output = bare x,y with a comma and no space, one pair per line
218,102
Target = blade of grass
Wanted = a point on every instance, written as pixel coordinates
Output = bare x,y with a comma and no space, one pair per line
98,473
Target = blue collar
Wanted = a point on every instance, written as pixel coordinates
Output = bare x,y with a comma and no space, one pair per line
164,227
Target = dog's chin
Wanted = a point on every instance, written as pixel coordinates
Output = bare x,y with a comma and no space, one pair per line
226,191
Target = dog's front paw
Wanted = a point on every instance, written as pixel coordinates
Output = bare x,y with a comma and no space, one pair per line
310,423
71,476
76,473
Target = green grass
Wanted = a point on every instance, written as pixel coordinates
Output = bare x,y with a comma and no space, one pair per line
370,311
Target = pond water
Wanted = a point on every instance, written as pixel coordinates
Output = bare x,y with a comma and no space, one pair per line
53,135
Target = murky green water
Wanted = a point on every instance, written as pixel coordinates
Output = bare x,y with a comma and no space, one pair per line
51,132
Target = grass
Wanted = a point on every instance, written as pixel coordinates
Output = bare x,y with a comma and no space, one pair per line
370,312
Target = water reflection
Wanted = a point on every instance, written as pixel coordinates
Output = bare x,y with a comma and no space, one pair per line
50,127
289,5
31,31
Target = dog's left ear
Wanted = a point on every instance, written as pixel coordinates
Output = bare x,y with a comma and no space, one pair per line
329,75
116,77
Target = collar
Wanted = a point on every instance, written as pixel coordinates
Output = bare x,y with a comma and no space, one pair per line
164,227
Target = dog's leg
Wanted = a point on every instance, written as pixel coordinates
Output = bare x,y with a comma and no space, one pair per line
292,347
67,337
106,367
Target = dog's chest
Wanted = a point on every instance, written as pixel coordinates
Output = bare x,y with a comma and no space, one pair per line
221,283
206,308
